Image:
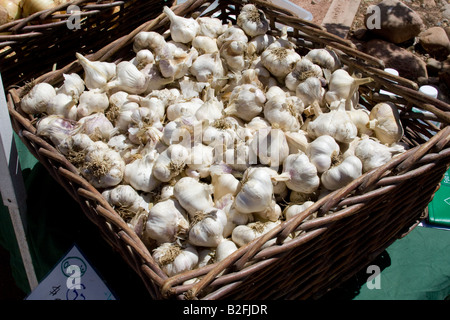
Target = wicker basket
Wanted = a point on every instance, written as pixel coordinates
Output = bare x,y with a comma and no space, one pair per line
40,42
362,219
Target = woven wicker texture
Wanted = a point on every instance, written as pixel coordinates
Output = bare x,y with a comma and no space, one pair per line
48,39
355,223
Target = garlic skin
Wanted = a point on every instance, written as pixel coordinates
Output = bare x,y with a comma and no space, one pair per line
385,122
303,70
374,154
326,59
224,249
256,192
270,146
300,174
167,222
193,195
139,172
335,123
103,167
37,99
244,234
170,162
128,78
210,27
181,29
73,86
92,101
246,102
295,209
252,20
205,44
280,111
322,151
207,228
175,259
280,61
96,73
342,174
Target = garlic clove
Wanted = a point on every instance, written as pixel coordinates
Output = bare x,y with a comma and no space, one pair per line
63,105
139,172
295,209
224,249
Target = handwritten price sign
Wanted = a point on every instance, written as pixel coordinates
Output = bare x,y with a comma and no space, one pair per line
72,278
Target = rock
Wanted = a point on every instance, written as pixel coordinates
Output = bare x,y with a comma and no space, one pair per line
397,22
435,41
406,63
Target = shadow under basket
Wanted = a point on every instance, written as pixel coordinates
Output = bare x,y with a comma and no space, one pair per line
355,224
48,39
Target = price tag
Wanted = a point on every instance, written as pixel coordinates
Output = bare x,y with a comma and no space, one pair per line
73,278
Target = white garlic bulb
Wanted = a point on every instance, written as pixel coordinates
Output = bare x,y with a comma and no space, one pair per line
181,29
311,92
205,44
63,105
96,73
280,61
270,145
301,175
252,20
223,181
385,122
325,58
176,66
183,108
193,195
128,78
212,109
244,234
207,227
126,201
224,249
295,209
175,259
208,68
171,162
167,221
210,27
73,85
58,130
233,53
139,172
303,70
246,102
283,112
201,159
374,154
37,99
297,141
259,43
342,174
232,33
97,127
92,101
322,152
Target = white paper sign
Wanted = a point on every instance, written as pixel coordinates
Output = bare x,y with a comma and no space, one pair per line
73,278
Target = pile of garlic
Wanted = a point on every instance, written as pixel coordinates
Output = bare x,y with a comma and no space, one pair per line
214,133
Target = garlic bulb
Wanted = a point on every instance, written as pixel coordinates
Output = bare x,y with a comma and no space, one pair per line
193,195
303,70
224,249
212,109
223,181
256,192
126,201
175,66
149,40
335,123
167,221
259,43
233,53
246,102
244,234
92,101
181,29
280,111
174,258
128,78
252,20
374,154
280,61
37,99
201,159
270,145
272,213
139,172
10,10
58,130
322,152
96,73
311,92
171,162
63,105
207,227
30,7
97,127
361,118
208,68
73,86
183,108
204,44
326,59
232,33
210,27
297,141
385,122
294,209
343,86
103,167
300,174
143,59
342,174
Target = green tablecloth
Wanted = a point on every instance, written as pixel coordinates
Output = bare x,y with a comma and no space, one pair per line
415,267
